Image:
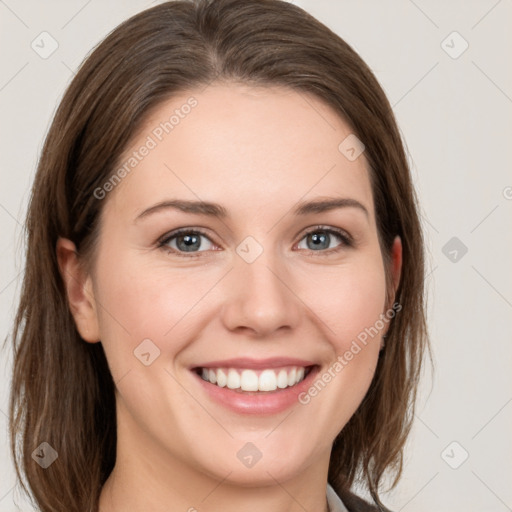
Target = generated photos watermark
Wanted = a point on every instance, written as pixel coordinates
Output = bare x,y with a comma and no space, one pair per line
362,339
152,140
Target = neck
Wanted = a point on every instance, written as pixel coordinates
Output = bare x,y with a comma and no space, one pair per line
148,477
119,495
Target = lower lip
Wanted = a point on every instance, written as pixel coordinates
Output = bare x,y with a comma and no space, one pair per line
272,402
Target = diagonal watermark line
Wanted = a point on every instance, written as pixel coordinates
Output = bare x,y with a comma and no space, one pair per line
68,67
198,301
217,73
432,226
425,218
10,215
215,488
14,76
76,14
485,15
424,13
8,492
430,273
169,169
112,317
426,426
500,294
508,508
300,198
3,3
300,299
286,491
492,211
417,83
282,421
503,407
313,107
407,502
121,378
492,81
199,403
10,282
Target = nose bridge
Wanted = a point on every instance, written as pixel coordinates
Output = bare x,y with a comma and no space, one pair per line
258,295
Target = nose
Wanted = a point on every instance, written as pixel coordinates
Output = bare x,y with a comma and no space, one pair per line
259,298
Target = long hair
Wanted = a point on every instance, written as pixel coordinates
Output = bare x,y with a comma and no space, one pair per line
62,390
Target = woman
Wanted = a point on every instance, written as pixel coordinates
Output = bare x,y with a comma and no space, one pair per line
222,306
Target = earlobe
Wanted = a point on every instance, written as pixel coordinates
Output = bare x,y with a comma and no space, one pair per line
79,290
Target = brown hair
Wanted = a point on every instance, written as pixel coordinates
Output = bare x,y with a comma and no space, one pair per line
62,390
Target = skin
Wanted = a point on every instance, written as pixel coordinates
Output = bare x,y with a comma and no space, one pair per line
257,152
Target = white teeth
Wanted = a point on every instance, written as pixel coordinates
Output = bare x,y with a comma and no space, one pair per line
292,377
282,379
233,379
222,379
268,380
249,380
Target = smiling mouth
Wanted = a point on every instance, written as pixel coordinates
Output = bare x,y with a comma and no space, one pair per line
255,381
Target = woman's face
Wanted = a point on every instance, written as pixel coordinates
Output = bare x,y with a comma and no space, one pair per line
259,275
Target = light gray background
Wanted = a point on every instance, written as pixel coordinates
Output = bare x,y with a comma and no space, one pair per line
455,115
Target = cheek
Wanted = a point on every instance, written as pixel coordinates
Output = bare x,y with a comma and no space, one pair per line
350,302
138,302
348,299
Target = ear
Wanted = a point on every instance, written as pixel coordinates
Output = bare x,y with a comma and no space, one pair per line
79,290
396,263
396,272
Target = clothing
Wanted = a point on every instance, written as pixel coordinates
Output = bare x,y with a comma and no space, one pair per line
334,501
348,502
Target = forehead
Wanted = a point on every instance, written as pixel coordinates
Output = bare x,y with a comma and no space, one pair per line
241,146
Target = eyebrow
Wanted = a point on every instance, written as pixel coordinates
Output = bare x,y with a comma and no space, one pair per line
325,205
197,207
218,211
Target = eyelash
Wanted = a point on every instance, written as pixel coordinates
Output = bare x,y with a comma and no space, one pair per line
346,240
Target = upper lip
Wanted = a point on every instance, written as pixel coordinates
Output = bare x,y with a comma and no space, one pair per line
256,364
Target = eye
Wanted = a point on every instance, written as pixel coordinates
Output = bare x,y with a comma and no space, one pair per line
324,239
186,241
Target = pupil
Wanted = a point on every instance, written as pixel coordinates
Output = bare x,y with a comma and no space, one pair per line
320,240
190,242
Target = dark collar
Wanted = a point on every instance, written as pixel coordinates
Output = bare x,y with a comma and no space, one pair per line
356,504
